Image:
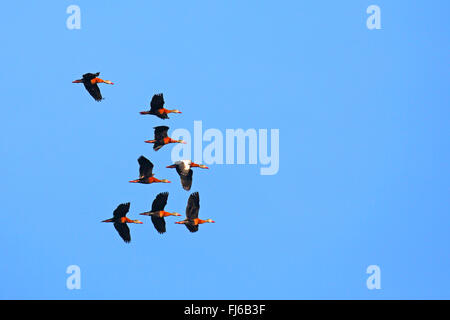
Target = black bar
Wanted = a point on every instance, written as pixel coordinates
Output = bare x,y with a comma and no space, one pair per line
224,309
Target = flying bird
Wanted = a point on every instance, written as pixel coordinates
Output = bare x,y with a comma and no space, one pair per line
192,221
161,138
185,172
120,221
157,213
157,107
90,81
146,175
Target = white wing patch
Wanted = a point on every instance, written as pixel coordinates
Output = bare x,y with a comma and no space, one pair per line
184,166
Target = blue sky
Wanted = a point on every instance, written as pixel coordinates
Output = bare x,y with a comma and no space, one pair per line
364,149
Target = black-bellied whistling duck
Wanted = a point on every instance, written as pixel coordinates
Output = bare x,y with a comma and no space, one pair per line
157,107
185,172
146,175
161,138
192,221
120,221
157,213
90,81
